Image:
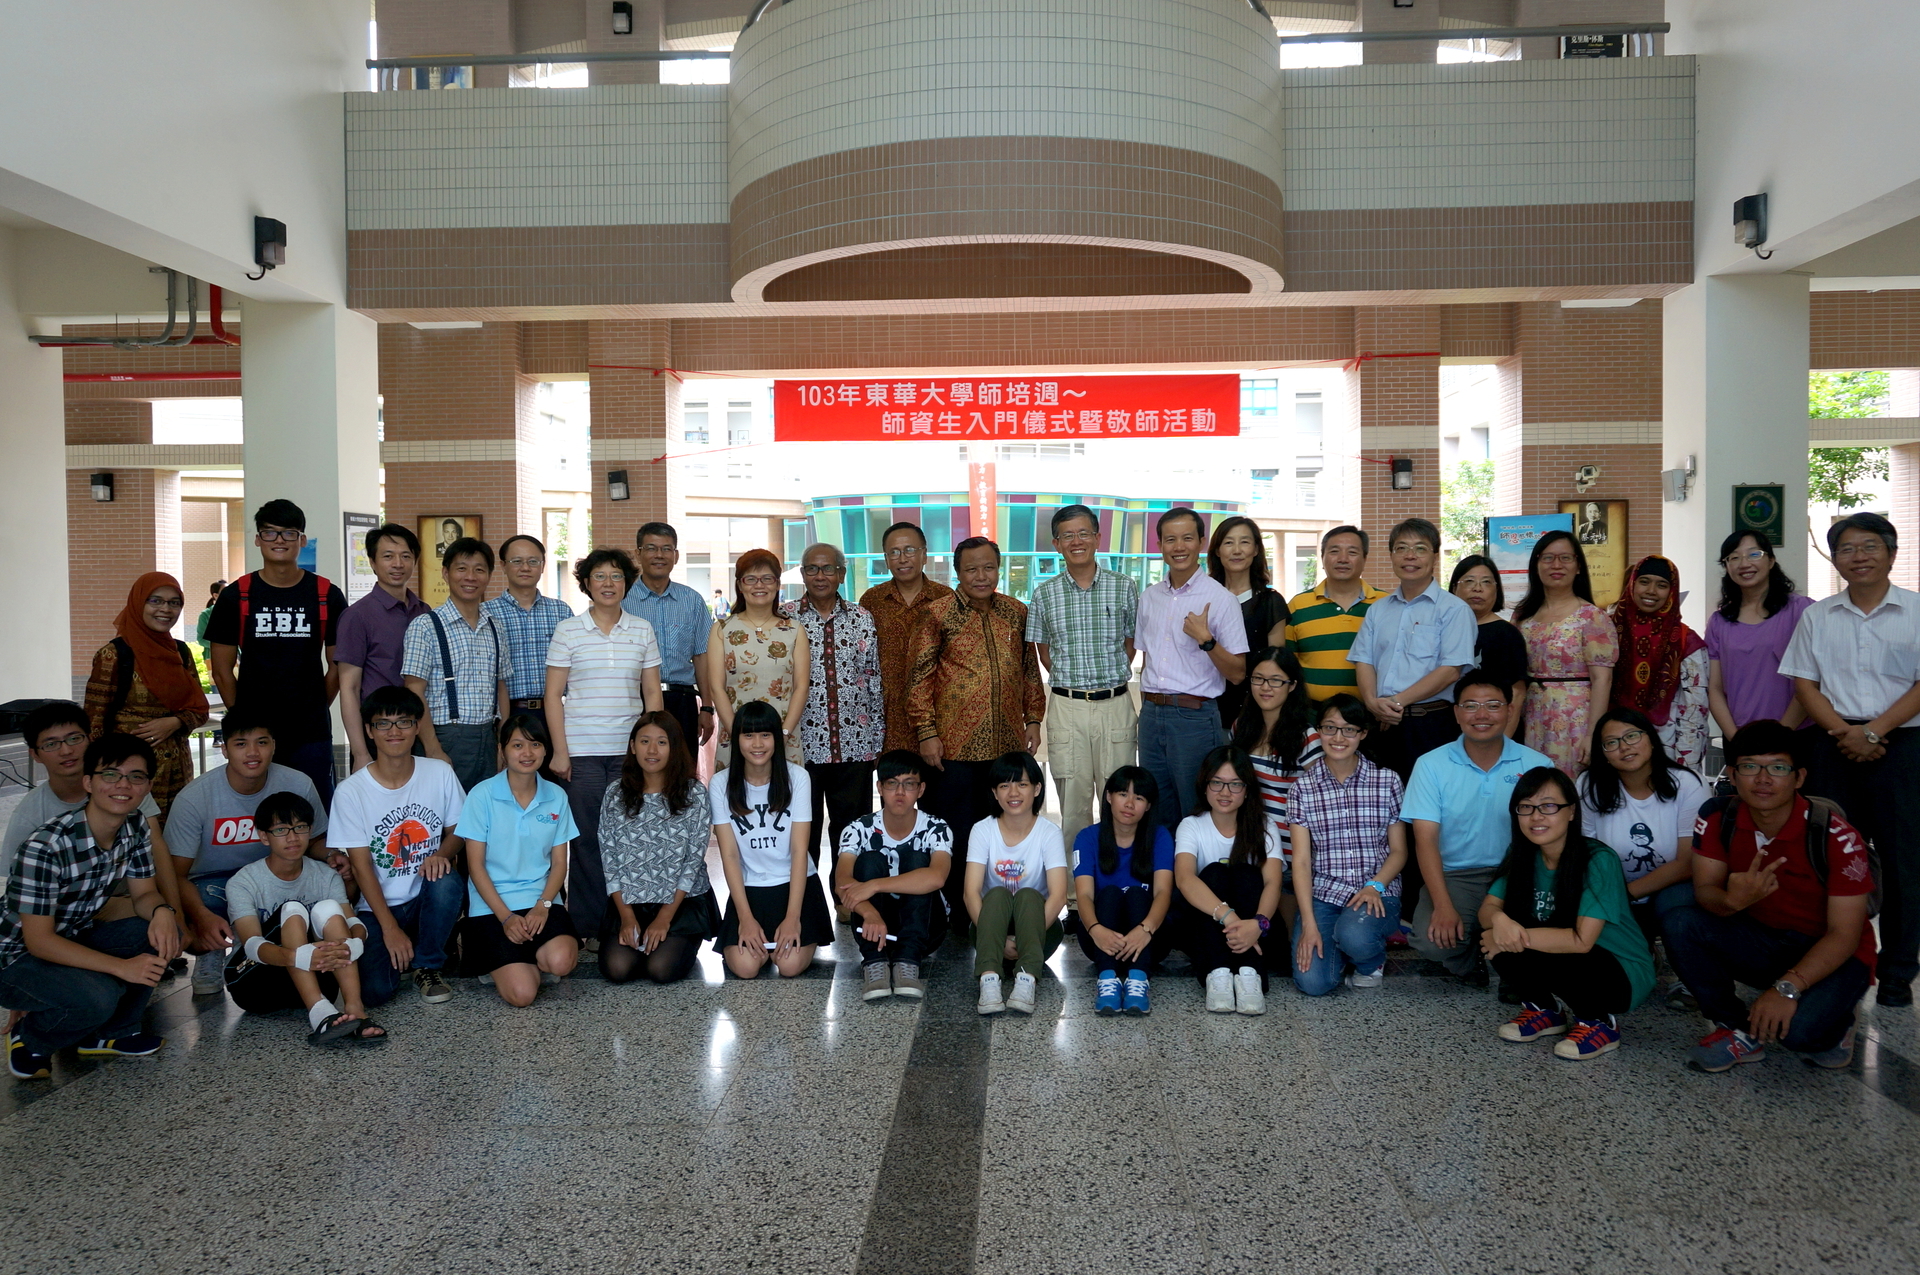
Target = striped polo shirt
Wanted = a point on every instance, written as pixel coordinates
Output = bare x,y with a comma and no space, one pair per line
1320,634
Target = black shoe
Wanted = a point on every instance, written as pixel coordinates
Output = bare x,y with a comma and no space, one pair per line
1895,995
24,1063
1508,996
1479,976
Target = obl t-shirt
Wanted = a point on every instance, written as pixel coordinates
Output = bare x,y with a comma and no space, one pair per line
282,664
212,824
399,826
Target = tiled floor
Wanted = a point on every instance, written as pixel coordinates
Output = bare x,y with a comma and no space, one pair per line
791,1128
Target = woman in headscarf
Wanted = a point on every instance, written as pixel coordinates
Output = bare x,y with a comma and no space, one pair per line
1663,663
146,683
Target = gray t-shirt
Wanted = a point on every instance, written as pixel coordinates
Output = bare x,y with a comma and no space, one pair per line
212,824
40,807
255,889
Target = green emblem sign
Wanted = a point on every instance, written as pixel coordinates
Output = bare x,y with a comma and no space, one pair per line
1761,508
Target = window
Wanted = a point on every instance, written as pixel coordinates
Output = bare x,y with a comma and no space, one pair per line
1306,484
1259,398
742,469
739,424
1309,414
695,422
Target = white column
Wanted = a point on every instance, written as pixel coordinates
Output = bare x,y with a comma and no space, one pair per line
1734,391
35,629
310,392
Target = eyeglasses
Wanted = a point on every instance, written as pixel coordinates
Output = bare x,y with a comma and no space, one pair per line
283,535
904,551
166,604
1269,683
284,830
607,577
906,783
1778,769
1484,705
1556,559
1226,785
1751,555
75,740
1419,548
1076,537
647,549
1526,808
526,562
1625,739
818,572
1341,732
759,582
134,777
1872,549
393,723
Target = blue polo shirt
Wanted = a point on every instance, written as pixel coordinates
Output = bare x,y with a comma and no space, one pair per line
519,843
1469,804
1405,641
680,623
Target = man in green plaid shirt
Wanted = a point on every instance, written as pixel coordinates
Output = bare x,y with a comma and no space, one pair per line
1081,621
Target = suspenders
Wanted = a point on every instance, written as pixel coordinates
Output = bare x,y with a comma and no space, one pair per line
446,660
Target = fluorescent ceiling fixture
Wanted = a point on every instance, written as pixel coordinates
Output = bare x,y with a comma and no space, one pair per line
447,324
1599,303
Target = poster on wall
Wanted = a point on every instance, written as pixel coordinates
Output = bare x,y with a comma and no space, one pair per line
436,532
1761,507
1510,543
1601,528
356,576
1007,407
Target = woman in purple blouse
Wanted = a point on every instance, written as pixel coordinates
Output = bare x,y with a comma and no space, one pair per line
1748,634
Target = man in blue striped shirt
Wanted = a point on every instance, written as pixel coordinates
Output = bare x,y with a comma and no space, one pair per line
527,618
681,623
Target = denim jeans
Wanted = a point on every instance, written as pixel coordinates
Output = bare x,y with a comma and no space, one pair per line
1653,910
314,759
65,1005
1346,934
918,921
1122,910
1173,743
428,919
1711,953
586,873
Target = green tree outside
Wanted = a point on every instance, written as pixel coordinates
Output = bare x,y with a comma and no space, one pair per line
1834,474
1466,499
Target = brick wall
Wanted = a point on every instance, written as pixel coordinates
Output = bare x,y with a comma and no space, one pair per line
635,413
110,545
1864,330
103,422
1394,406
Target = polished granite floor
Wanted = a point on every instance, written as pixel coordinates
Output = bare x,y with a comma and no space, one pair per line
727,1127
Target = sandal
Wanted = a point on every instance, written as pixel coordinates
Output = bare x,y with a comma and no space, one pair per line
333,1030
359,1034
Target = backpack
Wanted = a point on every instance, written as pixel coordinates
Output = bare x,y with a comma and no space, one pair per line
123,677
1820,815
245,607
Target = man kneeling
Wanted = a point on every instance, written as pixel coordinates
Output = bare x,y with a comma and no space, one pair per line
298,941
891,866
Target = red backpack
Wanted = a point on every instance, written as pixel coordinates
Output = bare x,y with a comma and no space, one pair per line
245,607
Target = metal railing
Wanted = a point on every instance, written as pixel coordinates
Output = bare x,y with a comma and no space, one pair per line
455,70
1480,33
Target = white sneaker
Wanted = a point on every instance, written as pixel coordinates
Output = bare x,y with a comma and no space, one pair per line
1357,979
1220,991
1248,998
1025,988
990,1002
209,973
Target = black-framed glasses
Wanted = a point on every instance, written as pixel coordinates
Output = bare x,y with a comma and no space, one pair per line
1270,683
166,604
393,723
284,830
1625,739
819,572
1778,769
1526,808
279,535
1342,732
1226,785
134,777
76,740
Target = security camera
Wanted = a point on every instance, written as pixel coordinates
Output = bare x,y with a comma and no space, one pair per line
1585,477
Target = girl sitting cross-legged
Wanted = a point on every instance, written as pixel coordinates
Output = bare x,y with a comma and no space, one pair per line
1226,864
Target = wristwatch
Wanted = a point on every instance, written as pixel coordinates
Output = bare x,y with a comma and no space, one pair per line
1871,738
1786,989
1264,922
706,708
1209,644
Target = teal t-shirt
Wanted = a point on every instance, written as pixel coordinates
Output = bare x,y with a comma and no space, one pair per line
1604,899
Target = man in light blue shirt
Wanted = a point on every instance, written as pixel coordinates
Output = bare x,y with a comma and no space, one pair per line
1458,804
1414,642
681,623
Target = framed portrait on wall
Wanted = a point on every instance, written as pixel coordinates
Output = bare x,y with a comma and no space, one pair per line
1601,528
436,532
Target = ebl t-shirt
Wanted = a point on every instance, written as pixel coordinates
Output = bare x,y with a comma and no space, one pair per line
212,824
399,826
282,667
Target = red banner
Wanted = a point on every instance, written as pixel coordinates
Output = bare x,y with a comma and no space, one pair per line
983,500
1007,407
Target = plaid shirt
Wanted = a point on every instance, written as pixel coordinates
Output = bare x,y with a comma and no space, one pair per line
527,633
63,874
1085,631
846,716
481,659
1347,826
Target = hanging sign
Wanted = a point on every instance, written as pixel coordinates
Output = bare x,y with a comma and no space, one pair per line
1007,407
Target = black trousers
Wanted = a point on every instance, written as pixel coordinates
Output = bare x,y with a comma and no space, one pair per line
1397,747
1882,800
919,921
1121,910
1591,983
959,794
1205,942
685,707
842,793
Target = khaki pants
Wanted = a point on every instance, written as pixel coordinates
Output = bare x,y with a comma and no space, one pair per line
1086,742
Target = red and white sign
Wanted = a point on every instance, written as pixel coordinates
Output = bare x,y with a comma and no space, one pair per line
983,499
1007,407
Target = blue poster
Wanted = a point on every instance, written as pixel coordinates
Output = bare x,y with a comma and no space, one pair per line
1510,543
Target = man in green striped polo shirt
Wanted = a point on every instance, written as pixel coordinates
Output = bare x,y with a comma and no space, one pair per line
1324,619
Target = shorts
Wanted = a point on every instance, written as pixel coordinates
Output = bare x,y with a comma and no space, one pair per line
484,947
259,988
769,904
697,919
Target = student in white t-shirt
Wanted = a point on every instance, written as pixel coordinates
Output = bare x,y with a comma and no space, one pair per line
1644,805
1016,880
1228,870
760,808
395,819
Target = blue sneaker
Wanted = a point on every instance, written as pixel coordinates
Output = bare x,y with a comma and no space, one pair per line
1107,1003
138,1045
1137,1005
1589,1038
1724,1049
1534,1022
1838,1058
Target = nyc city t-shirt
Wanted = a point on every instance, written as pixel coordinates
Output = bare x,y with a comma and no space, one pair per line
765,836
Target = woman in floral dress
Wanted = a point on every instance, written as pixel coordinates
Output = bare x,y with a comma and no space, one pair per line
757,653
1572,648
144,682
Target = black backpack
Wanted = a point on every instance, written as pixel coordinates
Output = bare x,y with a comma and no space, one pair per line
123,677
1821,813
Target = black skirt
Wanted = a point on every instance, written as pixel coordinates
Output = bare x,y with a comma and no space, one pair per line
484,946
769,904
698,919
